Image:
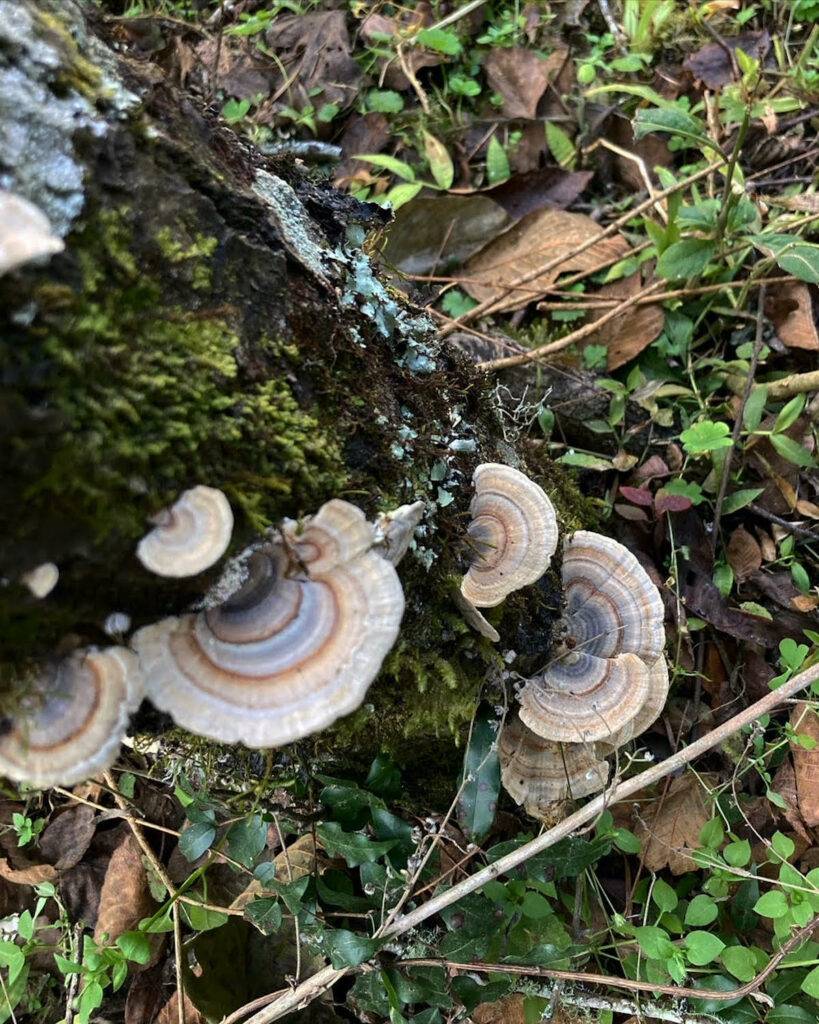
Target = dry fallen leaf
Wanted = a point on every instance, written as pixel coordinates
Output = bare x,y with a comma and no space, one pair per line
712,64
302,858
534,241
744,554
627,335
27,876
806,762
509,1010
169,1014
520,76
66,839
784,783
669,828
790,309
125,898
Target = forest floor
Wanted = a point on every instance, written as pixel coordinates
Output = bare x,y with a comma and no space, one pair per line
615,193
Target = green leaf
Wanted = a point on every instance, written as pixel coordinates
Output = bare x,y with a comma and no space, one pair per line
441,40
811,983
354,847
654,942
686,489
400,195
265,914
389,163
349,949
126,784
478,801
560,144
664,896
752,608
706,436
686,258
739,961
793,255
737,854
755,407
772,904
788,1014
783,846
385,101
390,826
497,162
196,840
672,121
136,946
723,577
739,499
247,838
703,947
701,910
202,919
800,577
584,461
644,92
791,450
536,906
440,162
789,414
712,834
384,777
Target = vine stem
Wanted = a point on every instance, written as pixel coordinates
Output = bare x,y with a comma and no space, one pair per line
324,979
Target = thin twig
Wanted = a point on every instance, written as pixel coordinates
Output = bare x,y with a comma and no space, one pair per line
595,302
320,982
786,387
177,959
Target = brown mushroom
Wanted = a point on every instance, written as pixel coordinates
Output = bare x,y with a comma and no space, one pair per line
70,726
25,233
600,677
537,772
295,648
190,536
513,534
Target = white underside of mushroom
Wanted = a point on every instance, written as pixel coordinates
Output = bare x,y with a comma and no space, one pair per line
25,233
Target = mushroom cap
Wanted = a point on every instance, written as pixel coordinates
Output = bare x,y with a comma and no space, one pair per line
581,698
648,714
76,721
513,533
25,233
190,536
474,618
536,772
611,605
295,648
397,529
41,580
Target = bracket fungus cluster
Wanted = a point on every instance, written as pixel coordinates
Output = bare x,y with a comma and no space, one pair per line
25,233
190,536
72,723
295,648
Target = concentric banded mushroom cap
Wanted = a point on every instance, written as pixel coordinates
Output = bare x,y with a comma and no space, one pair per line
77,716
611,605
536,772
648,714
190,536
513,534
25,233
295,648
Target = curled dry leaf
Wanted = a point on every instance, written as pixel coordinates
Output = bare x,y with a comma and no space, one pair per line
744,554
520,76
33,875
790,309
784,783
670,827
125,898
805,721
627,335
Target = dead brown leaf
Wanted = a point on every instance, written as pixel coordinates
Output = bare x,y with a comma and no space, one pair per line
509,1010
302,857
169,1014
363,133
805,721
784,783
145,996
532,190
125,898
743,553
790,309
33,875
535,240
711,64
627,335
651,149
239,73
521,76
67,837
670,828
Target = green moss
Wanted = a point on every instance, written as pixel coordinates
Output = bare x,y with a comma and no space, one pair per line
76,71
196,253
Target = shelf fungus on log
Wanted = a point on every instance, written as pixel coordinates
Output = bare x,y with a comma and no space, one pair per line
396,529
536,772
190,536
513,534
295,648
70,726
41,580
25,233
601,676
647,715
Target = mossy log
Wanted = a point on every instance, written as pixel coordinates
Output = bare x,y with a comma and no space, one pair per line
213,319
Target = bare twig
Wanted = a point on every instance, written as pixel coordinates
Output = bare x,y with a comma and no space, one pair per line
177,959
313,987
786,387
595,302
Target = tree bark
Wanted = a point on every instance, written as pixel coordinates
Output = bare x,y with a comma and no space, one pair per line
213,320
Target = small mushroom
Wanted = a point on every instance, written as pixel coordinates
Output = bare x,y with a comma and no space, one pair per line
42,580
295,648
648,714
513,534
396,529
25,233
190,536
600,678
537,772
69,728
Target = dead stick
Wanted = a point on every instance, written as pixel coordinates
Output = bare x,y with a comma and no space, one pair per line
582,332
595,302
489,305
320,982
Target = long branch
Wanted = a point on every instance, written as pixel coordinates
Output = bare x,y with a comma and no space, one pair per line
320,982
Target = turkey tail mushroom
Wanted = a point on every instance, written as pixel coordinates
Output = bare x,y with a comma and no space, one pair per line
295,648
72,723
513,534
190,536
